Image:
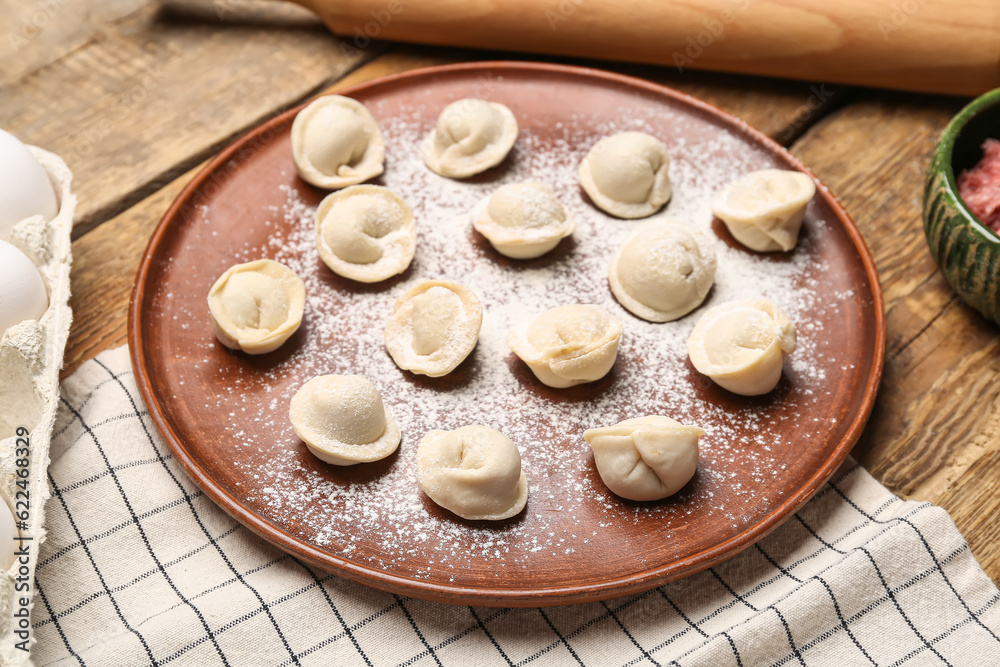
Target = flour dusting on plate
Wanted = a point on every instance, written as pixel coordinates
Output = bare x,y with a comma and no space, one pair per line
380,519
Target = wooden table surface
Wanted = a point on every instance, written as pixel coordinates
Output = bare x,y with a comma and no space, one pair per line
137,94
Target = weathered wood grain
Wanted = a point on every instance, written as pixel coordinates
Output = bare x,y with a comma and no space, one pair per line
779,108
152,93
873,155
394,61
105,262
975,504
935,432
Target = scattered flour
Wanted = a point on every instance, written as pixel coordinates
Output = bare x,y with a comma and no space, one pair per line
383,522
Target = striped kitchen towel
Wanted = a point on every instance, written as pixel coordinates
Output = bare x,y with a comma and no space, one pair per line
140,567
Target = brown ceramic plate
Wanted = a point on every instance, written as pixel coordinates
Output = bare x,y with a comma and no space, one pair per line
224,414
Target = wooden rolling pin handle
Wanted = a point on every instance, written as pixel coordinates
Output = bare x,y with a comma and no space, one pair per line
936,46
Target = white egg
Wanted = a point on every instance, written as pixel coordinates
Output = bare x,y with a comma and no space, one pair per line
22,291
8,537
25,188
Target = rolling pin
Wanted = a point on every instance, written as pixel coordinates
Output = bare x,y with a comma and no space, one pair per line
937,46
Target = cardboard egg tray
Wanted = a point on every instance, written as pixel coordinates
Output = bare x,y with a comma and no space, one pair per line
31,356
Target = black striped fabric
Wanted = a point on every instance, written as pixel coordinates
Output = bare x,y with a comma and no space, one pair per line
140,568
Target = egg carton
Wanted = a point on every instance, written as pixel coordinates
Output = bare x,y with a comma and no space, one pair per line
31,356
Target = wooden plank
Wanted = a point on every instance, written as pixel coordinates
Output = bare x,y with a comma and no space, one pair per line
873,155
36,34
780,109
153,93
394,61
935,431
105,262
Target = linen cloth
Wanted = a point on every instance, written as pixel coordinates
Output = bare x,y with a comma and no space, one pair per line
140,567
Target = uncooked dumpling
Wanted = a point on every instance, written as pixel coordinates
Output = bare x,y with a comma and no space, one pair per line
764,209
256,306
663,270
336,143
434,326
568,345
471,136
741,345
522,220
473,471
365,233
627,175
342,420
647,458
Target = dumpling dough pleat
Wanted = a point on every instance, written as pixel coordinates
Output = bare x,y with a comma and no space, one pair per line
336,143
471,135
365,233
663,270
764,209
742,345
256,306
343,421
627,174
646,458
473,471
568,345
434,326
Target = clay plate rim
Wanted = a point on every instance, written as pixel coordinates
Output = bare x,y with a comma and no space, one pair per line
486,596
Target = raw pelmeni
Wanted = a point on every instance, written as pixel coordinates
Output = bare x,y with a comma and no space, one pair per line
336,143
365,233
522,220
646,458
434,326
343,421
764,209
473,471
741,345
256,306
663,270
568,345
627,174
471,135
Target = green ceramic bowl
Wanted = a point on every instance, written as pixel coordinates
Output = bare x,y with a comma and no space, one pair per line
967,251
